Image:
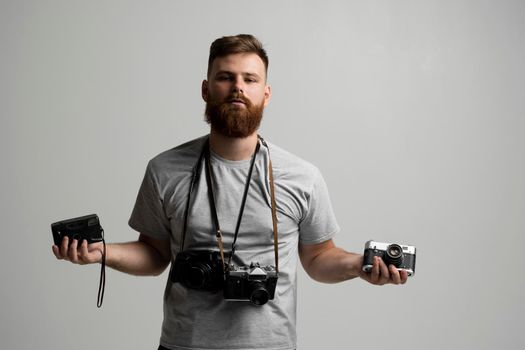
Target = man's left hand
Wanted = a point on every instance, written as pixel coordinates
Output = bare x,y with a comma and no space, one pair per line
383,274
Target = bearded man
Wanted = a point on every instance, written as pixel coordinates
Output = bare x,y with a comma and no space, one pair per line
233,214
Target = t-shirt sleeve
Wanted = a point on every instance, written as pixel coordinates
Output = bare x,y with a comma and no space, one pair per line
319,223
148,216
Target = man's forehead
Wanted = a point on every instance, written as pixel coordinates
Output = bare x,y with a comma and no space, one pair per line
247,63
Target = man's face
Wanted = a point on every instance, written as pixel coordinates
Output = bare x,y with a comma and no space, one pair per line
236,94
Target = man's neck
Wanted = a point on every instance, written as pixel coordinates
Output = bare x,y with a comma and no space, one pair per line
233,148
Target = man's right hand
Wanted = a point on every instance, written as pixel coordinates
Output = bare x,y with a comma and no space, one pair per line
79,254
145,257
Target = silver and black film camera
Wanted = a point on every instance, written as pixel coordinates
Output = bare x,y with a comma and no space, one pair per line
403,257
254,283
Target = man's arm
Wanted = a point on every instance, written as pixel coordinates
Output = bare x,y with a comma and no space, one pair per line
145,257
325,262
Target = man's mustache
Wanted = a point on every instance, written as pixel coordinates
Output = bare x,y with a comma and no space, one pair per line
238,98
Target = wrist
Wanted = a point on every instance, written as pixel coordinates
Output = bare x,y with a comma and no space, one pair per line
107,250
354,265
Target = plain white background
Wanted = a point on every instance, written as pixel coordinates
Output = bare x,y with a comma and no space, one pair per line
413,111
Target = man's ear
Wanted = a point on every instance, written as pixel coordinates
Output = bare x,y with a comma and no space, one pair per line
267,94
204,90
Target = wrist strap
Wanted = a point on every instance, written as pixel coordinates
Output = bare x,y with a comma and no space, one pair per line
102,282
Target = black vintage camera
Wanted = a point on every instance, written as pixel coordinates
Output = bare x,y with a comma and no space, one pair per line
84,227
403,257
198,269
254,283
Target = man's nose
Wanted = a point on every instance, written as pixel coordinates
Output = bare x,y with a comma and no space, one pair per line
238,85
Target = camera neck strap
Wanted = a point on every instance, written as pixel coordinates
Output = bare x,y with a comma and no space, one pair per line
211,197
194,176
205,154
274,207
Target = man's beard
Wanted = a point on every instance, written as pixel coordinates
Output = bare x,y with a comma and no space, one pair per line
234,121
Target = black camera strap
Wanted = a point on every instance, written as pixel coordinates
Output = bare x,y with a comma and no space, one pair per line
102,282
211,196
194,176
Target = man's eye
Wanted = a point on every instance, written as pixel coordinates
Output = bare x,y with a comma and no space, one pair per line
223,77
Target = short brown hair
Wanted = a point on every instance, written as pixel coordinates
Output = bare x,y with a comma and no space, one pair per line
241,43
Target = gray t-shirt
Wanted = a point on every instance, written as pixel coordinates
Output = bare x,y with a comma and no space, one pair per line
195,319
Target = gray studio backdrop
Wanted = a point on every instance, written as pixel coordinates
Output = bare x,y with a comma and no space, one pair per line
413,111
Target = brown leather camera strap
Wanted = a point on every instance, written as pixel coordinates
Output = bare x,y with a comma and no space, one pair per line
274,206
274,220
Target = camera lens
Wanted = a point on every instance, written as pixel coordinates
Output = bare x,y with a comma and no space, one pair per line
394,254
259,294
197,275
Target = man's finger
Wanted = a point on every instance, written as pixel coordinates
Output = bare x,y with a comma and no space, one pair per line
394,274
72,253
374,277
88,256
83,251
56,251
64,247
385,275
404,276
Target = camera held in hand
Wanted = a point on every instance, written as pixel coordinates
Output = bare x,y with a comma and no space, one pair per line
403,257
254,283
199,269
81,228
